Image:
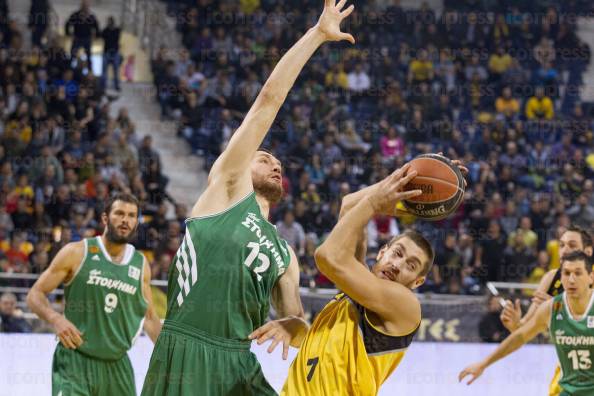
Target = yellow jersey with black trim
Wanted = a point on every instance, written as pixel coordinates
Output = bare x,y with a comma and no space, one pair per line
556,287
344,354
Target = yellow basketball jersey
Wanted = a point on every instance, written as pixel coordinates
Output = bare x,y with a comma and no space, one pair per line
344,354
554,388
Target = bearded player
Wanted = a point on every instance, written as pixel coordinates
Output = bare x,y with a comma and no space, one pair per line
108,299
232,262
569,318
573,239
361,336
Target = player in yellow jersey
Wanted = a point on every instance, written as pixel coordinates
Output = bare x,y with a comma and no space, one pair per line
360,337
571,240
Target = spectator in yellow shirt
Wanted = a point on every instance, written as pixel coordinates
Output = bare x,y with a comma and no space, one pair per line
529,238
336,77
249,6
23,188
420,68
499,63
539,106
507,105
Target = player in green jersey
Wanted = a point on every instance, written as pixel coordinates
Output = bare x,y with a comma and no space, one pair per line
231,263
572,239
570,319
108,299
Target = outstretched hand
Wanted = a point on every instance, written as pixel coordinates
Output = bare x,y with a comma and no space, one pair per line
332,16
279,331
474,370
387,193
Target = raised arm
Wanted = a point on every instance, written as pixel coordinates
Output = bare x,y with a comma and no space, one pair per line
230,177
336,257
538,323
61,269
152,323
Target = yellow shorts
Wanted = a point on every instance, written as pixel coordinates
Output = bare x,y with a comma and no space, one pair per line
554,388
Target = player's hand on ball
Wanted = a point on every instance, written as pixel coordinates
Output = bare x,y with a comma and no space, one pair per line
282,330
474,370
540,297
332,16
511,315
463,169
389,191
68,334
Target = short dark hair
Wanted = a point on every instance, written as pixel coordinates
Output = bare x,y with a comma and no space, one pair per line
422,243
267,150
576,256
586,238
124,197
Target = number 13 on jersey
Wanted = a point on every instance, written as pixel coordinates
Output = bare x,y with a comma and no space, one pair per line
580,359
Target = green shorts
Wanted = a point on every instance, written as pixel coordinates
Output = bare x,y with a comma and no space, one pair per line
76,374
186,361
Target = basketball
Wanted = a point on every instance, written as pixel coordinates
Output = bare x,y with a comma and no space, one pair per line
442,184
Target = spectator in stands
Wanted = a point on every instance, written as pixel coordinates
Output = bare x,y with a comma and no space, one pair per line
490,327
540,107
541,268
111,53
499,63
358,80
336,78
581,213
507,105
489,258
39,19
519,258
16,252
524,235
11,320
420,68
380,230
474,70
392,146
292,232
82,25
544,51
38,260
448,262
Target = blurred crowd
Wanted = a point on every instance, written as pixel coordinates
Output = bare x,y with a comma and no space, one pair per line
496,84
63,153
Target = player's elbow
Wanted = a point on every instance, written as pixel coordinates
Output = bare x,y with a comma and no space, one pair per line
30,299
270,96
325,258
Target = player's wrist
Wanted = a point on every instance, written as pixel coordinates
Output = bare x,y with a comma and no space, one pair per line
317,35
54,318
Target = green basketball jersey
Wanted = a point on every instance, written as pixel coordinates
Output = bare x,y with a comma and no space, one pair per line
104,300
223,273
574,342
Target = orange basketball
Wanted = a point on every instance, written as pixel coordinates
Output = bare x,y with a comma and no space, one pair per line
442,184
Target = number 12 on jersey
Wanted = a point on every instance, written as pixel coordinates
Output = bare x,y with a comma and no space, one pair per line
255,253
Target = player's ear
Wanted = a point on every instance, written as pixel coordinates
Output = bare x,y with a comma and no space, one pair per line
418,282
588,251
381,252
104,219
